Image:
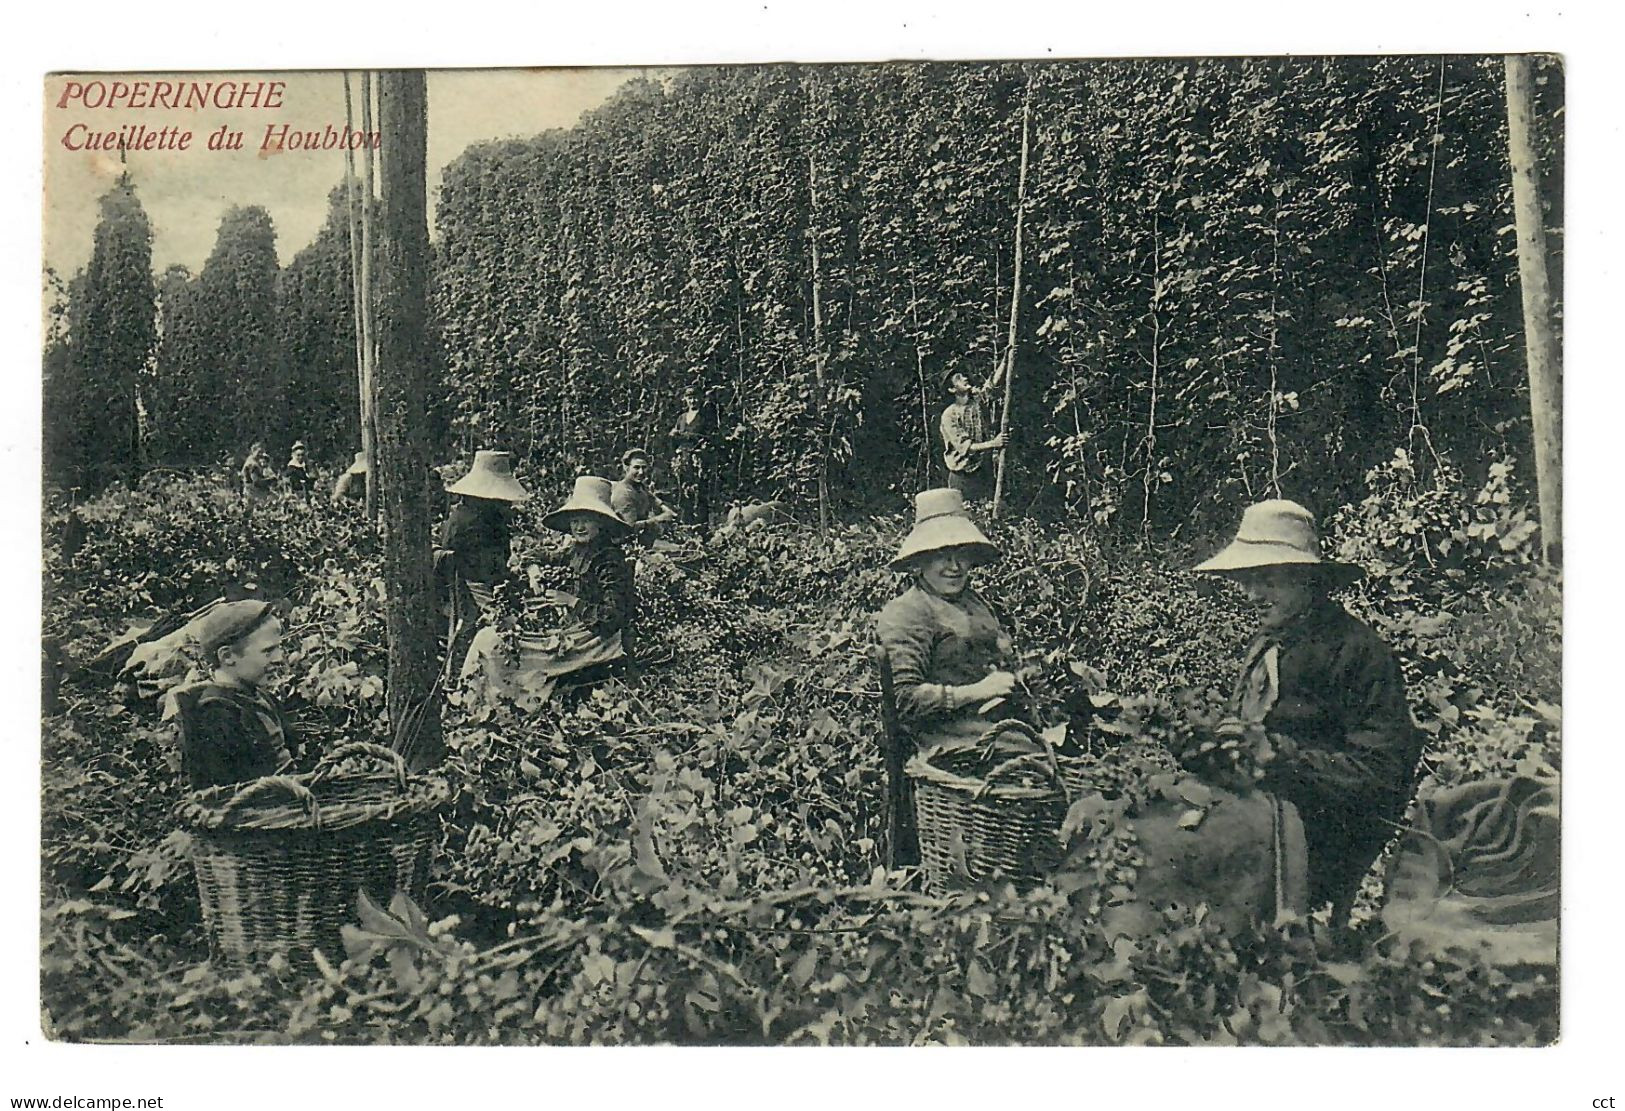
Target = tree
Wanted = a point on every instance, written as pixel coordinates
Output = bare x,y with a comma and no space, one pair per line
219,381
94,393
315,339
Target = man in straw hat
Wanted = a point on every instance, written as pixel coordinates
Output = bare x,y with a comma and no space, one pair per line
1330,694
599,608
965,439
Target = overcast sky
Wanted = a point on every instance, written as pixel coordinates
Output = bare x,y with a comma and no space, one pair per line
187,192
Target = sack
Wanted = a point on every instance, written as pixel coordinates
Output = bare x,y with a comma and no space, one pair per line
1243,856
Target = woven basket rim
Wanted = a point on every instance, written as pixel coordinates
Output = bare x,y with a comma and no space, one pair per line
924,772
204,810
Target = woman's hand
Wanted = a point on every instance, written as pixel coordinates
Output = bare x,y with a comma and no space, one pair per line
996,684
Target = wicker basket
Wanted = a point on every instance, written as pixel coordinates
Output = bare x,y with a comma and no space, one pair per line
989,808
279,860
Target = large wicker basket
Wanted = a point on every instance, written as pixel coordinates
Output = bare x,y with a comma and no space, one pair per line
279,861
989,808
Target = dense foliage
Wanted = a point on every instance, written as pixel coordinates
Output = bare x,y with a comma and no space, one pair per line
1240,278
100,341
1237,273
1224,260
691,853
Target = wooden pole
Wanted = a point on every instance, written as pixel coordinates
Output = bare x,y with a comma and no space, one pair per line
364,401
1015,295
369,338
1540,337
400,404
818,349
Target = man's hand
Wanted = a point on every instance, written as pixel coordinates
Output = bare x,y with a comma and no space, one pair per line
997,443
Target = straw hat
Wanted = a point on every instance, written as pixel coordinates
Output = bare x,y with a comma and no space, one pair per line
940,521
491,477
590,496
1276,533
360,464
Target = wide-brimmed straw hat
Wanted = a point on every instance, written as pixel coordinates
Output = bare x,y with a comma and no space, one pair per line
940,521
490,477
590,496
1276,533
360,464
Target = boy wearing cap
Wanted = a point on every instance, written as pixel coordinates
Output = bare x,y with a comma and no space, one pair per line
231,730
965,440
1330,694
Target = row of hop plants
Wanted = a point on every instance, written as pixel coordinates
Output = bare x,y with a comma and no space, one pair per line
692,856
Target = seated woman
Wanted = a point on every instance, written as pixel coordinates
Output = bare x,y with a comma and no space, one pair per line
1330,695
947,652
351,486
478,533
231,729
597,629
475,541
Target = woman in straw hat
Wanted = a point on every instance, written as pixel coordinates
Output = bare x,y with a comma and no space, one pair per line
352,484
599,608
1330,694
948,652
477,537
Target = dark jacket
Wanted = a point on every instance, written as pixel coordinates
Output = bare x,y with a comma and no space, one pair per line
934,643
601,580
232,735
1327,682
479,536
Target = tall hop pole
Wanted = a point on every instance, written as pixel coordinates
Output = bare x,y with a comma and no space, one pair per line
401,391
1540,336
363,395
369,338
1015,295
